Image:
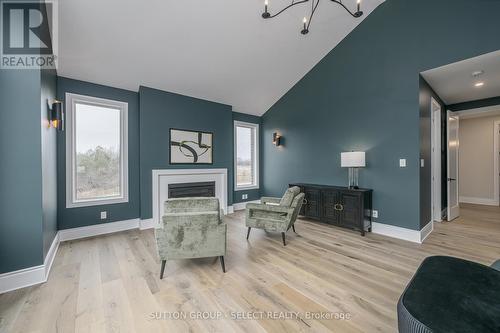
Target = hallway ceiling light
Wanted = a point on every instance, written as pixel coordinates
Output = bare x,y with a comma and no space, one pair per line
479,84
476,74
314,4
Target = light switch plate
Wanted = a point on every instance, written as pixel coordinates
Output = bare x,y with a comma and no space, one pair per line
402,162
422,163
244,196
375,213
104,215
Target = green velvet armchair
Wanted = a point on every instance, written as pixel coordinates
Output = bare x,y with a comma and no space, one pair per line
191,228
275,214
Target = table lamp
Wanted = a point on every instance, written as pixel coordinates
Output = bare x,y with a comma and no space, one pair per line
353,160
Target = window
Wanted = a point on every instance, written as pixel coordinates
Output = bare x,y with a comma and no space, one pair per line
246,152
96,151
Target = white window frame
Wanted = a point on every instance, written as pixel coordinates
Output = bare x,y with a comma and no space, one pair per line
256,157
71,100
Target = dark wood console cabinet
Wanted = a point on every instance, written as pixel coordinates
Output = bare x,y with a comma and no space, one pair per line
336,205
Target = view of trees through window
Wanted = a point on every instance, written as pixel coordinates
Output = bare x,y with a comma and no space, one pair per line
97,143
245,154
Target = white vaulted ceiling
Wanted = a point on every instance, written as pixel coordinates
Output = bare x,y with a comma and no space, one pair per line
219,50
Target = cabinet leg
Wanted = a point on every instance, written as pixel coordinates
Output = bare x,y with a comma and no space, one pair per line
283,236
293,228
248,232
363,233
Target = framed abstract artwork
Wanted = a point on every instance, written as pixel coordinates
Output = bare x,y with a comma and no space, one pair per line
190,147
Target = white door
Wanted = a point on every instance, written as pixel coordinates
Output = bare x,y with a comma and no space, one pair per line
453,145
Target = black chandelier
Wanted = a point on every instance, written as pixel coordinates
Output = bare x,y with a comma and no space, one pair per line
314,5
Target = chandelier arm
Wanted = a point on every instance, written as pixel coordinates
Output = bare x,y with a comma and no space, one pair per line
347,9
291,5
312,13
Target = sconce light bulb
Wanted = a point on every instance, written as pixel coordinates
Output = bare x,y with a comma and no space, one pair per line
304,20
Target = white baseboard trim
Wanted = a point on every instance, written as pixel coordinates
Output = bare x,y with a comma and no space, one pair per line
147,224
479,201
243,205
426,231
32,275
97,229
414,236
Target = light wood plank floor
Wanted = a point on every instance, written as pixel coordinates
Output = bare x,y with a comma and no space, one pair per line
110,283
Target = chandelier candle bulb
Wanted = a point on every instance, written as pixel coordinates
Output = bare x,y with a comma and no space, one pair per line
315,3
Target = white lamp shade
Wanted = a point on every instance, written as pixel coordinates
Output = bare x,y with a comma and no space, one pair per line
352,159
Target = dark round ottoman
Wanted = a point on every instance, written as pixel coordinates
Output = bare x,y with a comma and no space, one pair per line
449,294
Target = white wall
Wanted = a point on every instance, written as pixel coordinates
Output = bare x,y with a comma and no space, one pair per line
476,160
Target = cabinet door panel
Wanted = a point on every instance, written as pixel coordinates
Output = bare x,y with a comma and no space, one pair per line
351,212
328,201
312,205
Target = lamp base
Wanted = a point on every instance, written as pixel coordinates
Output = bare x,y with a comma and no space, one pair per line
353,178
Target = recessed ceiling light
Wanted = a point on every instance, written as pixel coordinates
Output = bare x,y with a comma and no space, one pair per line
477,73
479,84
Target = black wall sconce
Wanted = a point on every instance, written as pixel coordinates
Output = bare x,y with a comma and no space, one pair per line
276,139
57,115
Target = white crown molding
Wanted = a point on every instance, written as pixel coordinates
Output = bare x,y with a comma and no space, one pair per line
415,236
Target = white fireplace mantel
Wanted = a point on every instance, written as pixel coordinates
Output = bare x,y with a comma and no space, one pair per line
163,177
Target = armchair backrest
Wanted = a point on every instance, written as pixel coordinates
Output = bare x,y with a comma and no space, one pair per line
191,205
297,205
289,195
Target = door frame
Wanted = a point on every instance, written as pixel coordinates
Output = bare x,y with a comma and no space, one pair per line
496,157
436,206
449,115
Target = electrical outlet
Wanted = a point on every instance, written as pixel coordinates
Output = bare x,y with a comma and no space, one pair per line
244,196
104,215
422,163
375,213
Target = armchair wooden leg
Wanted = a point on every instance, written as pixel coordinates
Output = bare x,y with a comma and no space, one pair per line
163,262
283,236
293,228
222,264
248,232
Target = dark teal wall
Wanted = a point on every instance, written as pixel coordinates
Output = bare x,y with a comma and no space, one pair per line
252,194
481,103
21,243
84,216
160,111
365,95
49,160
